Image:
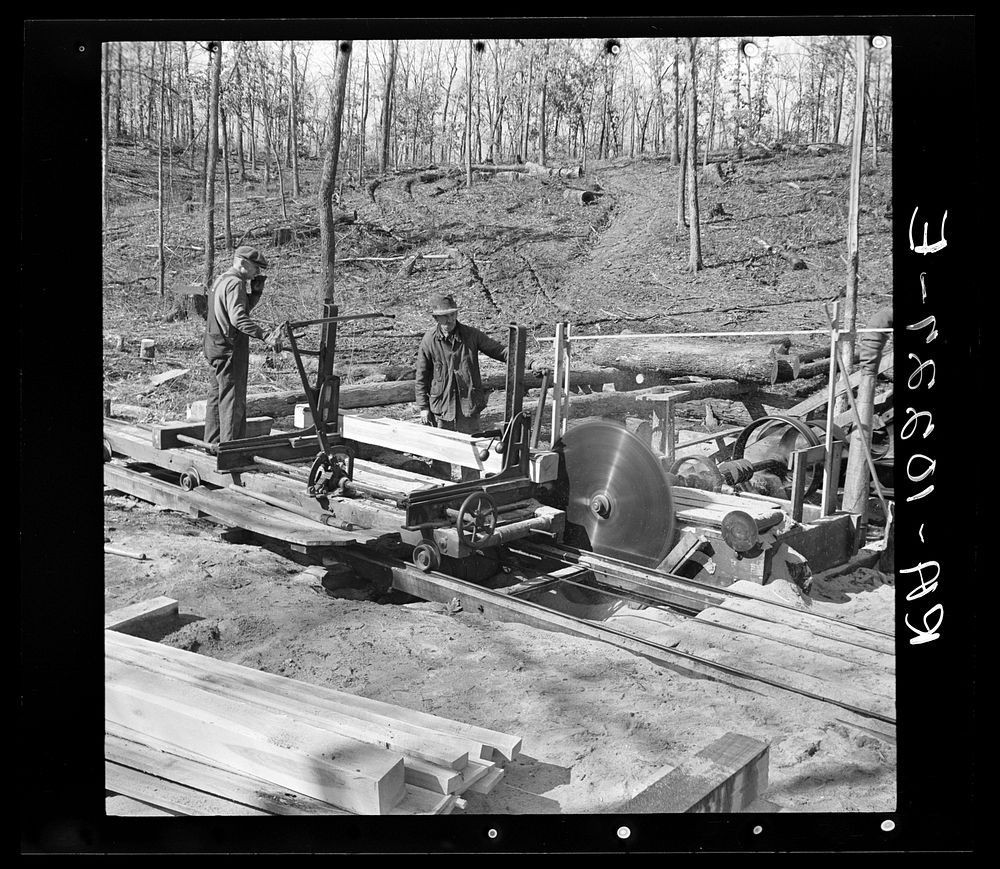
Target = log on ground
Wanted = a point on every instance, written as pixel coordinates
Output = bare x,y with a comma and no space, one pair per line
749,362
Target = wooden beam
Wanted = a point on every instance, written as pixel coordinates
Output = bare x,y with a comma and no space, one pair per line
169,795
131,749
360,780
140,614
125,807
309,703
376,712
432,443
802,639
727,776
165,434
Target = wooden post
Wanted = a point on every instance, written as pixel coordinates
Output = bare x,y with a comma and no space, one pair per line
829,500
560,382
853,211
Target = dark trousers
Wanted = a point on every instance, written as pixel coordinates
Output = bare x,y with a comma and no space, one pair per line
466,425
226,408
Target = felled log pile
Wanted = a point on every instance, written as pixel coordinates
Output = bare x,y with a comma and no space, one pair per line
188,734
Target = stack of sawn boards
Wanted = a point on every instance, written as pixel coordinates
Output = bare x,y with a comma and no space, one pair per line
187,734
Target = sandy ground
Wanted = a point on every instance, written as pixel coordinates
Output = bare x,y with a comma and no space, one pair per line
598,724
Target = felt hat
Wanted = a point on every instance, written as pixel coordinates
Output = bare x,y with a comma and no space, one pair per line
443,303
251,254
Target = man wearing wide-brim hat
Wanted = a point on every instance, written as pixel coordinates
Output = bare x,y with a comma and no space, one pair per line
449,388
228,331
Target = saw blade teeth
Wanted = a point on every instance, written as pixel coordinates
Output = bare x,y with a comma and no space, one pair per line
615,493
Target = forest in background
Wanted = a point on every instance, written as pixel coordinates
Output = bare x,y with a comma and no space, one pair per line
411,102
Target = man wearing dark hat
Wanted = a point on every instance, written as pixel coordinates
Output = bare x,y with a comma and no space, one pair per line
449,387
227,343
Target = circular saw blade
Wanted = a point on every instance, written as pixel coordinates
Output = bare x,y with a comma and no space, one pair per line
615,494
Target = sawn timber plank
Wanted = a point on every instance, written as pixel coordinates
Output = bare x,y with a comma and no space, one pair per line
156,757
378,720
169,795
363,788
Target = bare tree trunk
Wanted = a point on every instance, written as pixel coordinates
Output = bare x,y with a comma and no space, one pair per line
873,109
239,127
160,204
682,188
675,158
105,106
362,132
329,176
225,169
854,194
468,118
387,108
212,135
151,94
736,95
542,141
118,95
293,119
527,108
838,105
445,138
715,88
694,261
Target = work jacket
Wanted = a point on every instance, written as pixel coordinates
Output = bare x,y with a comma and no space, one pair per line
448,370
228,320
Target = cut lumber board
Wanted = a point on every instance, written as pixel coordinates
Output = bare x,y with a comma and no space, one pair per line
358,782
727,776
432,443
419,801
164,435
714,516
298,728
239,511
768,609
141,613
801,639
821,675
127,807
129,748
487,782
701,498
169,795
684,546
440,779
430,731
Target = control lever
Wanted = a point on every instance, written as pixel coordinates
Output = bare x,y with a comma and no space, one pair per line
492,434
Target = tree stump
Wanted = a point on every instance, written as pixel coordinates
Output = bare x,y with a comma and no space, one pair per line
579,197
712,174
283,235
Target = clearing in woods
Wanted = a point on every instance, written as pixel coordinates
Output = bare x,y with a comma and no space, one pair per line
598,723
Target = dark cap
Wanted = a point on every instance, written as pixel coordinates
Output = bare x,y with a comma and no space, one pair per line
251,254
443,304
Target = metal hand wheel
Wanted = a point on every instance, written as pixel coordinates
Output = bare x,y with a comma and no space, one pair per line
477,519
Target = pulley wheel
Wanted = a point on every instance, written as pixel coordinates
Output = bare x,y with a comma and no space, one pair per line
615,494
426,557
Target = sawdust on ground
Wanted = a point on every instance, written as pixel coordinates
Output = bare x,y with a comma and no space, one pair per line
598,724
